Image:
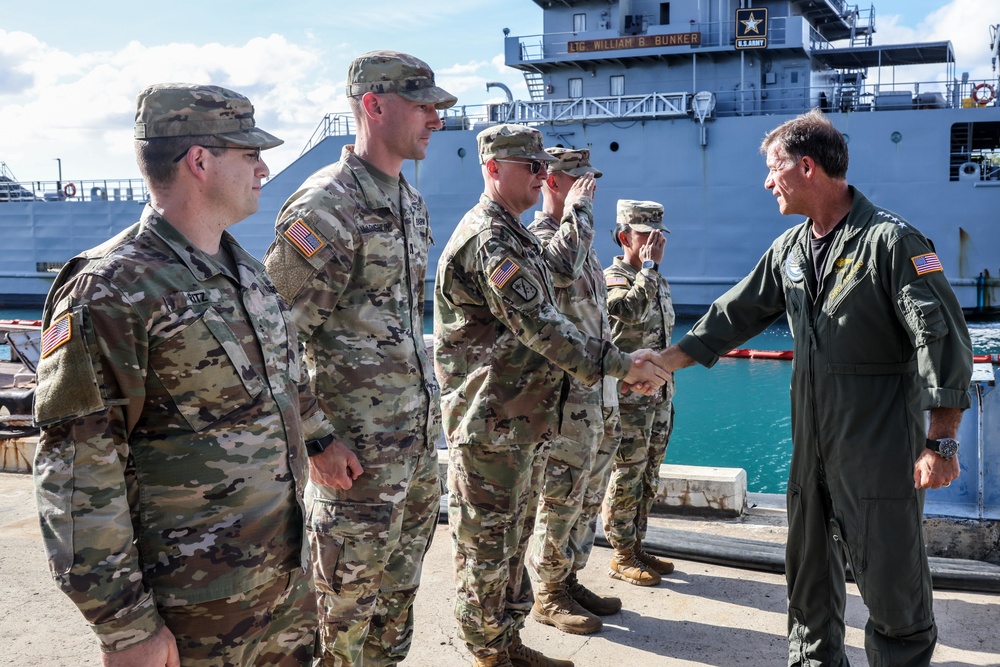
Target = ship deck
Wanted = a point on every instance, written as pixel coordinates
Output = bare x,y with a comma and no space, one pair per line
702,614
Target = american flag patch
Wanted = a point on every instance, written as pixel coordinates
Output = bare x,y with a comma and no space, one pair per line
57,335
928,263
617,281
303,238
503,273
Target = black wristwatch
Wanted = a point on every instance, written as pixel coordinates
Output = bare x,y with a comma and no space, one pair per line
946,448
314,447
650,264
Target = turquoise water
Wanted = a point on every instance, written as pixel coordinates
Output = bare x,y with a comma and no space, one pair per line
736,414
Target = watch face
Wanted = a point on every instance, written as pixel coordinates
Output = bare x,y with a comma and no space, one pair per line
947,447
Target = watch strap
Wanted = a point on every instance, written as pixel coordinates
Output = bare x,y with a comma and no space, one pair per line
315,447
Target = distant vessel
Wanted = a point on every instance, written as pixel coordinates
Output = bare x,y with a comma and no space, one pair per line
672,99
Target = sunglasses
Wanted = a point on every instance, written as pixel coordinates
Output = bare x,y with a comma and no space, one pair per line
535,165
254,150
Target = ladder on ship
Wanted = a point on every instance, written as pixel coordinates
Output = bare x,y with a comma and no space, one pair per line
861,30
536,86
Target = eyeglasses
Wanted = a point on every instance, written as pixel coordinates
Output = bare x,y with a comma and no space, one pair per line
535,165
255,150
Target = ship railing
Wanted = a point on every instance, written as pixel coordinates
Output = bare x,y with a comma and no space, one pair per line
332,125
122,189
652,105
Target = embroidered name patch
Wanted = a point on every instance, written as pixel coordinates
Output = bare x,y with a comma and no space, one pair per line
504,272
928,263
616,281
303,238
57,335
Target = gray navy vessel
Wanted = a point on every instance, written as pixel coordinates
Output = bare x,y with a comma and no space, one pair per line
672,99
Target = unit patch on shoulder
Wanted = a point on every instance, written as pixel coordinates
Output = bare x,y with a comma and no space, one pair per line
504,273
303,238
616,281
57,335
928,263
524,289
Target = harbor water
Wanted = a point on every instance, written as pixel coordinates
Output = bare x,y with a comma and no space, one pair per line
736,414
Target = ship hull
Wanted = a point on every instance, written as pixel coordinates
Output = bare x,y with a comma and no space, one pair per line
720,216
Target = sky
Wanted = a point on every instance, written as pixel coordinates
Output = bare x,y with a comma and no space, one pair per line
70,71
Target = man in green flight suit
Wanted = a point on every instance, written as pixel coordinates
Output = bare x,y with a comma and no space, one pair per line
879,338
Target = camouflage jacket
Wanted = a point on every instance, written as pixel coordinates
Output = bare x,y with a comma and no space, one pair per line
352,266
171,463
580,292
642,316
500,345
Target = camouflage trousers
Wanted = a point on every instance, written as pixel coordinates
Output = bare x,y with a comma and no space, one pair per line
272,624
576,478
635,474
368,545
493,498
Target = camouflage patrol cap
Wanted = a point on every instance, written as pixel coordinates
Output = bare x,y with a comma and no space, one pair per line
394,72
572,161
642,216
184,110
505,141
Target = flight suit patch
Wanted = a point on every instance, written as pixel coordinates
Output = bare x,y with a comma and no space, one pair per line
928,263
792,269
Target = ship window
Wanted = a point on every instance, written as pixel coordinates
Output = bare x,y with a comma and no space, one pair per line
576,88
975,152
664,13
579,22
617,85
794,76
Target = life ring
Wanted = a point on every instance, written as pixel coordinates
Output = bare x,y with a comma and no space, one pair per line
69,190
988,96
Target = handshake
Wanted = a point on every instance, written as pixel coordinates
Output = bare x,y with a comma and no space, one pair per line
651,369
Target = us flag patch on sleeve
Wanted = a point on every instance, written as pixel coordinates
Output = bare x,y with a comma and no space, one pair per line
616,281
57,335
303,238
504,272
928,263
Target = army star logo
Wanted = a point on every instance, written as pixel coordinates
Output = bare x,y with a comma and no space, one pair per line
524,289
751,24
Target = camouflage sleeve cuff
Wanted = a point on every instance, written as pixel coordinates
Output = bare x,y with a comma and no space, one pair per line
615,363
130,627
692,346
316,426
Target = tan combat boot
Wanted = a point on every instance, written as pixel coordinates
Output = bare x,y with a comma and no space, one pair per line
522,656
627,567
591,601
554,606
498,660
659,565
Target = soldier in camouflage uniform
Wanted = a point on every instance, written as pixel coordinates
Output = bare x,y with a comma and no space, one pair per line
642,315
173,413
580,457
501,353
350,257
